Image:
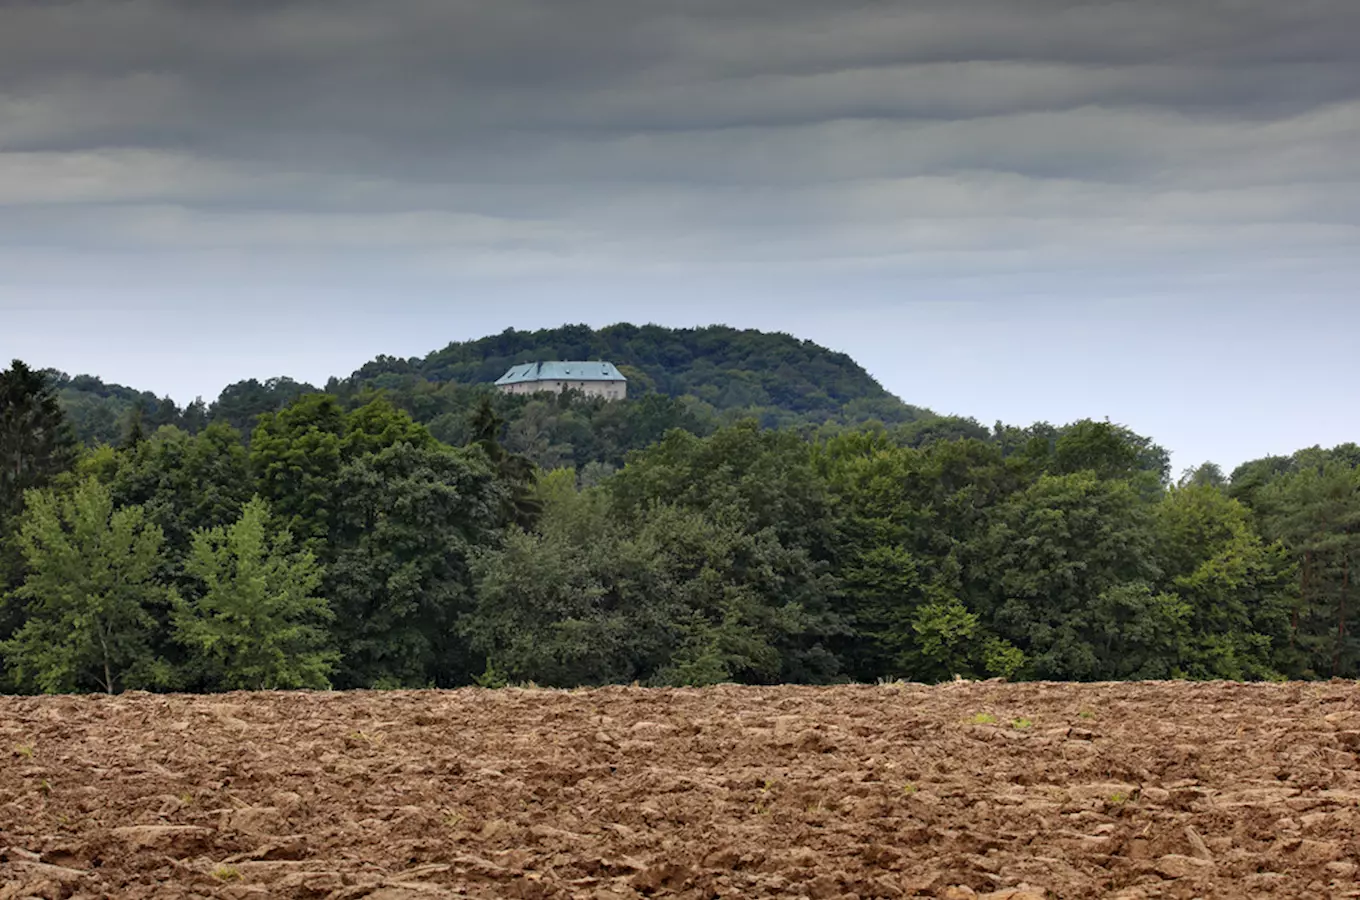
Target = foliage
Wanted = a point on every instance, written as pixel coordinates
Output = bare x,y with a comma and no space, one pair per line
89,594
36,445
405,522
1314,510
758,511
297,454
1050,553
240,405
678,599
724,367
1235,585
184,482
35,441
103,413
256,623
516,472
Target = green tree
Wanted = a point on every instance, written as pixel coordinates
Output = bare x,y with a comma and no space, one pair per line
185,483
35,441
1048,556
904,519
1131,632
1315,511
377,425
257,623
406,520
36,444
763,478
297,455
1234,585
1205,475
924,432
242,404
764,484
515,472
1251,478
195,416
134,431
1111,451
89,596
674,596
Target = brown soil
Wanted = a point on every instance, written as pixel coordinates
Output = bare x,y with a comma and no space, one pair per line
994,790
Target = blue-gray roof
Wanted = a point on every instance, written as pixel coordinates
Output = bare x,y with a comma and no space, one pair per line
562,371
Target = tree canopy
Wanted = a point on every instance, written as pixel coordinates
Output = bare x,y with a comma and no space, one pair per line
405,529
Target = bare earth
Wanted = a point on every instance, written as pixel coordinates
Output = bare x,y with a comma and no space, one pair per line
1007,791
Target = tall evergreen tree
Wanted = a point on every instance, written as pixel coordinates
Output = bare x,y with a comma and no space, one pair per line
515,472
35,441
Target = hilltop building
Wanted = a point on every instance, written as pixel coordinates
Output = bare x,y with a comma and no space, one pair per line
594,379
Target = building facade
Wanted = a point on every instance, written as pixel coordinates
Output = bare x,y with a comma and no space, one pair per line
594,379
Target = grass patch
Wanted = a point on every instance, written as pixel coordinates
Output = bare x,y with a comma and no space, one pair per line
226,873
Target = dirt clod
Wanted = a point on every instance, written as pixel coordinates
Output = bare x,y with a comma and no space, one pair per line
1173,865
177,840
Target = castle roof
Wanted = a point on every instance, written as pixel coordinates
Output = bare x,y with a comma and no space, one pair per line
561,371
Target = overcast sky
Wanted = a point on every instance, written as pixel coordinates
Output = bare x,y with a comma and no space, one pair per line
1011,209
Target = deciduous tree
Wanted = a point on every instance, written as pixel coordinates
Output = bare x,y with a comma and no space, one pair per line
89,595
256,622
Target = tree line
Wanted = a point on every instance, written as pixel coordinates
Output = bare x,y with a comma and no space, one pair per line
696,379
348,546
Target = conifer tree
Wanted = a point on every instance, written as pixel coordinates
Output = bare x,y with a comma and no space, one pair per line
35,441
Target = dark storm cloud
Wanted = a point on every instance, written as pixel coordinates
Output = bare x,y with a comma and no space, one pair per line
442,70
924,135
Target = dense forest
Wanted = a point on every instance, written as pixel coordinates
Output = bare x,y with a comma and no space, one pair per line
695,379
729,522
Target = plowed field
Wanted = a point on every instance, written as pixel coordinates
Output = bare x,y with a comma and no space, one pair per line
986,789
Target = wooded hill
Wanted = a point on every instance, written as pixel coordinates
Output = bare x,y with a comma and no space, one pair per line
696,379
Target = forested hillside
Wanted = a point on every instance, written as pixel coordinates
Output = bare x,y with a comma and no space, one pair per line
695,379
343,542
722,367
105,413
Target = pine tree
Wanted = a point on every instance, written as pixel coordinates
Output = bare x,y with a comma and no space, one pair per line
35,440
515,472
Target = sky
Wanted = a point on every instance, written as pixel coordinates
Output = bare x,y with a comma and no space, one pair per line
1016,210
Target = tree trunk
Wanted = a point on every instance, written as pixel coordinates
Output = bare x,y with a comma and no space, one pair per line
1341,616
108,674
1303,598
